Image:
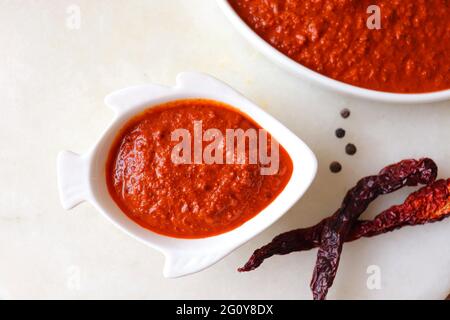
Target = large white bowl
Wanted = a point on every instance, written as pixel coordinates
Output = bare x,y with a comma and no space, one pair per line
83,178
300,70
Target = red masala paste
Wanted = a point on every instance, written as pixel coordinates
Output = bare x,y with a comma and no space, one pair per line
187,200
409,54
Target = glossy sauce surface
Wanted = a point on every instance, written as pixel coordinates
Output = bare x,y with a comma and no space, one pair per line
187,200
409,54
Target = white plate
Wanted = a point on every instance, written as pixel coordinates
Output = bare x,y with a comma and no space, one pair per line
82,178
300,70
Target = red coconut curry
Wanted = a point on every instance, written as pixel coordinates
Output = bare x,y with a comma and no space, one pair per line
188,200
410,53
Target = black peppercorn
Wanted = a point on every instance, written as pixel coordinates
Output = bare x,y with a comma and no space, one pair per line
350,149
345,113
340,133
335,167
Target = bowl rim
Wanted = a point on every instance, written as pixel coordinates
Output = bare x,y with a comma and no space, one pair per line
300,70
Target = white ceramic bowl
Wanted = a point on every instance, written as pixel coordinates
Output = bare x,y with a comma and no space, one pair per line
82,177
300,70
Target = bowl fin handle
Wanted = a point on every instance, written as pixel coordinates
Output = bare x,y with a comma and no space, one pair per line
182,263
73,179
122,101
196,81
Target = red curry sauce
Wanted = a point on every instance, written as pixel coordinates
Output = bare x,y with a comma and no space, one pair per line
187,200
409,54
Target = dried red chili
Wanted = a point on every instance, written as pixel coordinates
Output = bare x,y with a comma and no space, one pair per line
333,231
429,204
337,228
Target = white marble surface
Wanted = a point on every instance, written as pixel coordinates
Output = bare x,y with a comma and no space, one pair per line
52,83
